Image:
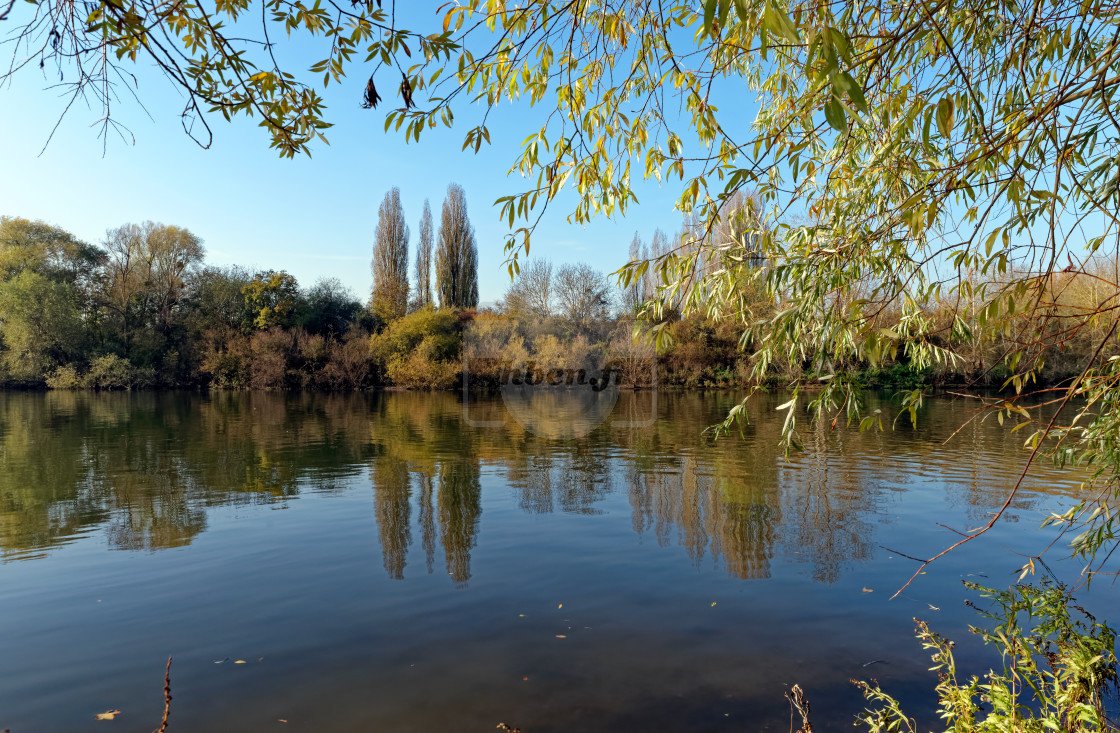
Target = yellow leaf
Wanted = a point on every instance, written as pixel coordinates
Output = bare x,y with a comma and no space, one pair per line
239,661
108,715
868,590
561,636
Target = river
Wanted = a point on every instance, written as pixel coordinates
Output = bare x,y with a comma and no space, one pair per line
414,562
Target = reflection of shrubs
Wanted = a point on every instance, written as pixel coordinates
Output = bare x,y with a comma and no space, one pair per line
897,376
420,350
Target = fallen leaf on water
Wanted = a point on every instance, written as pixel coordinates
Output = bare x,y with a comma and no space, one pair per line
524,679
714,603
108,715
935,608
561,605
868,590
561,636
239,661
282,720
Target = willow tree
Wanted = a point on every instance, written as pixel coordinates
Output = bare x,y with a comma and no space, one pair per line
456,253
390,259
903,154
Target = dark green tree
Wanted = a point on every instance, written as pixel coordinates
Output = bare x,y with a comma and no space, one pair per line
331,308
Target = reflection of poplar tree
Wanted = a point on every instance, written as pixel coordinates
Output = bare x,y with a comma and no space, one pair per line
535,485
391,481
459,509
736,520
746,536
826,517
583,480
427,520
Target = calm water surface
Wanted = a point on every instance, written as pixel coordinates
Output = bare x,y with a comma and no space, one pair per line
381,565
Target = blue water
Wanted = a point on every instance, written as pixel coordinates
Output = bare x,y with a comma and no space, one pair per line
378,563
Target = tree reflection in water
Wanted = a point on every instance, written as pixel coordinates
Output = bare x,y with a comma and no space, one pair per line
145,468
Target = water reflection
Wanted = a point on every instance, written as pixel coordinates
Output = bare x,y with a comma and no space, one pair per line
145,469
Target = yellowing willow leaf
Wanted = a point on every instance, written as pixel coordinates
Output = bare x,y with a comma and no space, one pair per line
945,113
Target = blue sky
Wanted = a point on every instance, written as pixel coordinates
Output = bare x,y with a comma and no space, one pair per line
312,217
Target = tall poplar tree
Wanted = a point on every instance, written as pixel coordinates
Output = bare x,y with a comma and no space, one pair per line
390,259
424,259
456,253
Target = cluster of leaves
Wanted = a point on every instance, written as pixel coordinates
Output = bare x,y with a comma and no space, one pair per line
223,56
1057,670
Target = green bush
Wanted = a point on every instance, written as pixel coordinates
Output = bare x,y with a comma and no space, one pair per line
114,372
420,350
65,377
1056,670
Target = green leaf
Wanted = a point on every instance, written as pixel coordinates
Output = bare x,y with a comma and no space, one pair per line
855,93
834,113
709,14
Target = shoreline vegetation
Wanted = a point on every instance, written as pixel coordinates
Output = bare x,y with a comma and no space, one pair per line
142,310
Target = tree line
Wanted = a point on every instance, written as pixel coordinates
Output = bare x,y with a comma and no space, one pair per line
142,309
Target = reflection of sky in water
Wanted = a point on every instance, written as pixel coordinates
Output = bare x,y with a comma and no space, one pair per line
395,566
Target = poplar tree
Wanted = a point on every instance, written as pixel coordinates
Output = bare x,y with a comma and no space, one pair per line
456,253
424,259
390,259
634,293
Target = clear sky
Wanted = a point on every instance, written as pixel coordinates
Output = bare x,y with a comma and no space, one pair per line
312,217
